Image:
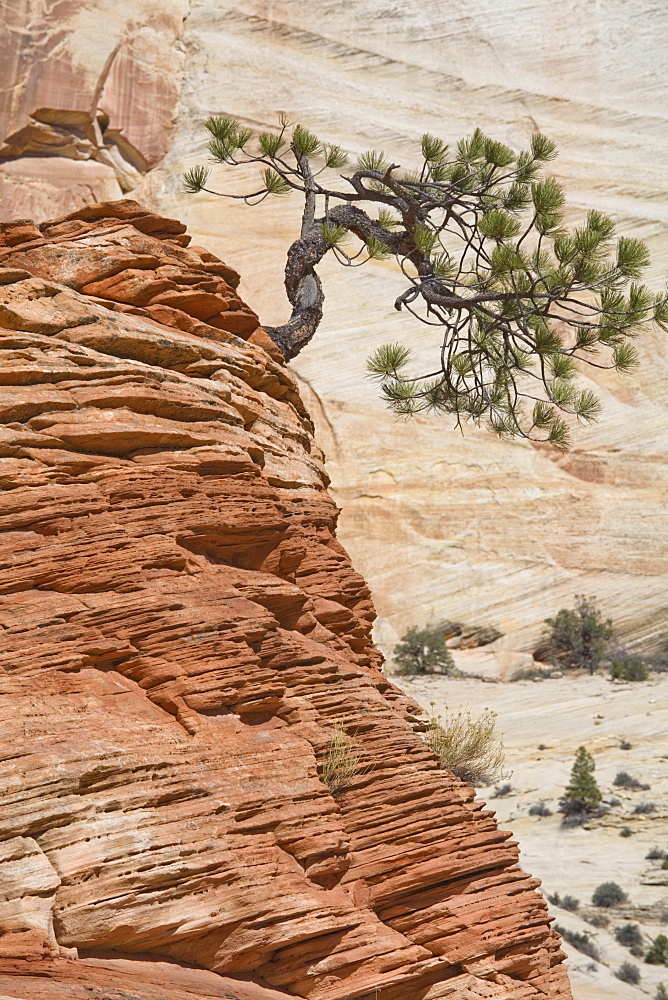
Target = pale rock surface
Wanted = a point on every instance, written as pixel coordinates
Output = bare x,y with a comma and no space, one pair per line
183,642
443,526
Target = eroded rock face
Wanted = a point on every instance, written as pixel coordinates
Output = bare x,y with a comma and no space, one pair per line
182,638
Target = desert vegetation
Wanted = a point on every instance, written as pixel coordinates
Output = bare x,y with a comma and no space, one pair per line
608,894
658,951
470,748
624,780
540,809
630,937
582,796
422,651
341,760
628,973
579,637
579,940
566,902
628,669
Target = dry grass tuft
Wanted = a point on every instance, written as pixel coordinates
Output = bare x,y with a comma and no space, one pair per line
341,761
470,748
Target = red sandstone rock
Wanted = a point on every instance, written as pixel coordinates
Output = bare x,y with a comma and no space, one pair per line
182,634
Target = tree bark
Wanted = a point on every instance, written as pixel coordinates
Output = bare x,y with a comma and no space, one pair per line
302,284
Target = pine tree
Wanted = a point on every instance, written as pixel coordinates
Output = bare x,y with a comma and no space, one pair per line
658,952
582,795
579,637
477,234
423,651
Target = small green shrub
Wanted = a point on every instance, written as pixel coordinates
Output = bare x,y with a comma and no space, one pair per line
341,761
658,952
624,780
580,941
530,674
422,651
539,809
626,831
608,894
629,935
501,791
658,661
628,670
661,992
643,808
582,796
470,748
625,745
628,973
664,863
655,854
598,919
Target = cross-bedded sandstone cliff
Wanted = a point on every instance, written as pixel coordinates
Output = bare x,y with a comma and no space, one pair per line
181,637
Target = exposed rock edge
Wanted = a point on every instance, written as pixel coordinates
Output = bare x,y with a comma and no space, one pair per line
182,635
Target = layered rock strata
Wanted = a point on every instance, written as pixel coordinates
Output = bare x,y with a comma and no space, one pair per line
184,642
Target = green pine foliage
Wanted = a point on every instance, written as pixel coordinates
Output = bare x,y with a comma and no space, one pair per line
332,234
582,795
195,179
423,651
579,637
658,951
519,302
